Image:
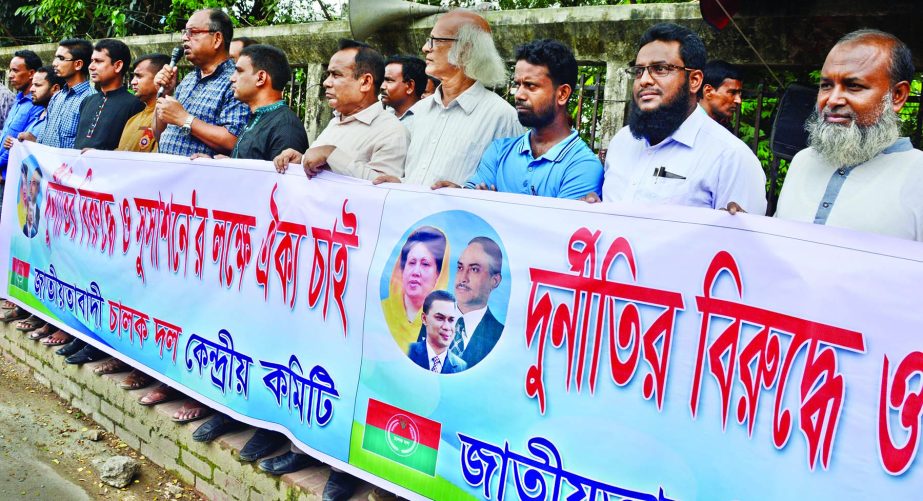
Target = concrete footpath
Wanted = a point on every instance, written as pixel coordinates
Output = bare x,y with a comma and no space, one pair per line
48,407
46,448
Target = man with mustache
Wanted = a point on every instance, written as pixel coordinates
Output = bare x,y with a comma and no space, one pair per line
858,172
671,152
454,126
550,160
201,115
405,81
23,66
362,140
721,91
45,84
103,115
479,272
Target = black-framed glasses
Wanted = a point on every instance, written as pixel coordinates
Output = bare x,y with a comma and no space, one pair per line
63,59
656,70
431,39
191,32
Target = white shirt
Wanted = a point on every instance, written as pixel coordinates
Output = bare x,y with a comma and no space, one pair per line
704,165
883,195
447,141
368,143
430,355
472,320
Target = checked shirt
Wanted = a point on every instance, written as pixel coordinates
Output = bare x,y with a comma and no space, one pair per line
211,100
64,115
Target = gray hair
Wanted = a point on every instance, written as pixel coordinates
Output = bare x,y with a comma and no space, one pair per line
901,67
475,53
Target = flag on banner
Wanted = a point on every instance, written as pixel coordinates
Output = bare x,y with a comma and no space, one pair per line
19,278
401,436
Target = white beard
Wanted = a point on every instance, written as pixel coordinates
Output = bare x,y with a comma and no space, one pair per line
854,144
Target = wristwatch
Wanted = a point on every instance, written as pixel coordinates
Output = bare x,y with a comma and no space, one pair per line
187,125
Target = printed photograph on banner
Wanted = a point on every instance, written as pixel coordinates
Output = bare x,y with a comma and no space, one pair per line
441,295
30,196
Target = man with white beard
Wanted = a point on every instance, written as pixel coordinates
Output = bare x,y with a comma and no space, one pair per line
858,172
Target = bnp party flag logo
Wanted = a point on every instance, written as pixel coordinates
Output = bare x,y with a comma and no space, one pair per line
20,276
401,436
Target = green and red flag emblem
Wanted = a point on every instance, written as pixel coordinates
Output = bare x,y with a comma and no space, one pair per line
20,276
401,436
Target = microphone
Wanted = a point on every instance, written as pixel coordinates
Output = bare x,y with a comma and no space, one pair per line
174,58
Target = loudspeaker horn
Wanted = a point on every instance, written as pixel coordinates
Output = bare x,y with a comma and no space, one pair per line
367,16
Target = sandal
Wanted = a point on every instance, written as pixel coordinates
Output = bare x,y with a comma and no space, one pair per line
159,395
7,305
57,338
16,313
191,411
111,366
29,324
136,380
43,331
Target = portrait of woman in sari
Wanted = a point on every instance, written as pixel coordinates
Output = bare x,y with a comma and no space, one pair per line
420,270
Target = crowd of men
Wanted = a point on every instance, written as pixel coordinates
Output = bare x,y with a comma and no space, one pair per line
435,122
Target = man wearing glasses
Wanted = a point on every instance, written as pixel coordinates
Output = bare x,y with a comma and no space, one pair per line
71,62
454,126
201,115
671,152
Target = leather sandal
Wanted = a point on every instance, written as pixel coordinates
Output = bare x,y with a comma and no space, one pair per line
111,366
159,395
16,313
191,411
136,380
43,331
29,324
57,338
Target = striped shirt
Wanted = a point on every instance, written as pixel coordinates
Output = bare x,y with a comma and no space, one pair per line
447,142
211,100
64,115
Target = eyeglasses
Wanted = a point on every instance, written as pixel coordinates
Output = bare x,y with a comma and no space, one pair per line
431,39
62,58
191,32
657,70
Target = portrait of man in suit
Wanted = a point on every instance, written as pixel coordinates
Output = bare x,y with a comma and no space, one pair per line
439,317
477,275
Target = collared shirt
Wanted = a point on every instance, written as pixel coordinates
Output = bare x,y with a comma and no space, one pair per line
406,119
37,127
7,99
138,133
701,165
448,141
211,100
430,355
472,320
270,131
63,115
103,116
883,195
21,114
368,144
568,169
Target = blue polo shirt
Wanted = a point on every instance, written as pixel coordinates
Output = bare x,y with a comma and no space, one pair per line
21,114
568,169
